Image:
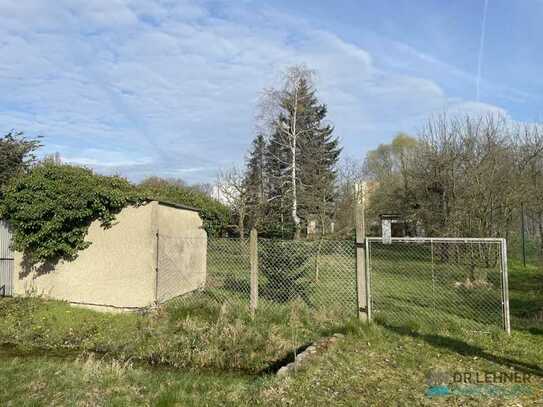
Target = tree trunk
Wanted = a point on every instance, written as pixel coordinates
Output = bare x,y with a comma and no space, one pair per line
293,142
295,217
241,224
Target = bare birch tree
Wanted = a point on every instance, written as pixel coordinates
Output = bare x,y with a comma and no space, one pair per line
280,114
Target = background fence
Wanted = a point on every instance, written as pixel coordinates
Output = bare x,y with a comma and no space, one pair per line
448,282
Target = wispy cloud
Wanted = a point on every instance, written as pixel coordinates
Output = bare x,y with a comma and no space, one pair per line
170,88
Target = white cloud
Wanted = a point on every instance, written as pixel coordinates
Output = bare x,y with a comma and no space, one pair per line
170,88
476,109
104,158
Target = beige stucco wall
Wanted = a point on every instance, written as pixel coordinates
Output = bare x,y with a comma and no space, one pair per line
118,270
182,252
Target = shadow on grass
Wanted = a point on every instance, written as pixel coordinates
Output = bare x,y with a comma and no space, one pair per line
466,349
527,307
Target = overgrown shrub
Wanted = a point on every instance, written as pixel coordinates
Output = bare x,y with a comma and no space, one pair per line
186,336
214,214
51,208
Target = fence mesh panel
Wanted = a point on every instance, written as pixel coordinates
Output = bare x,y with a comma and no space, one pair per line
442,282
180,266
228,270
224,276
319,275
445,282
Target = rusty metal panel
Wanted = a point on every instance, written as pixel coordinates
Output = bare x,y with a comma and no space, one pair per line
6,261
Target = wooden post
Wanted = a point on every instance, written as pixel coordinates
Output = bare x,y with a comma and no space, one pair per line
253,253
361,273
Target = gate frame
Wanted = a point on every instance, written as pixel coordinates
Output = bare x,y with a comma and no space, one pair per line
504,280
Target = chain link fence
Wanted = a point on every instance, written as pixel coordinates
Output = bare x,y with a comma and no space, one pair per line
318,277
180,266
531,249
228,271
450,283
445,282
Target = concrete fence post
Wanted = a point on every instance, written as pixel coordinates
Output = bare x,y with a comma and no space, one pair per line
361,270
253,256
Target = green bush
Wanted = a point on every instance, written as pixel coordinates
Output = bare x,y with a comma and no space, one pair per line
214,214
285,265
51,208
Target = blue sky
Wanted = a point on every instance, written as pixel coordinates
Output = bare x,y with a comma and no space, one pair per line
170,87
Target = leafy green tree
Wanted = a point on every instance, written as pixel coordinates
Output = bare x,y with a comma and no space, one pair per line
319,156
255,181
286,268
389,166
17,154
276,221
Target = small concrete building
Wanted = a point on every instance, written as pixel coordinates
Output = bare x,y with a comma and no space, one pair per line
150,254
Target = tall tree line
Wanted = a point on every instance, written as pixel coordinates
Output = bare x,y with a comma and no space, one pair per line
465,176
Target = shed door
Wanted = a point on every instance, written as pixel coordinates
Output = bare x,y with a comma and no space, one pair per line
6,261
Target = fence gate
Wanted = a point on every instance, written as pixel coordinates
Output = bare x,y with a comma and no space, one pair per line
6,261
447,282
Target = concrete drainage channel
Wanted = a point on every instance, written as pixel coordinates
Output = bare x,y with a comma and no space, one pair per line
308,354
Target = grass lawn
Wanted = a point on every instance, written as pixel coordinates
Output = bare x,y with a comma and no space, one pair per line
196,334
372,365
34,379
200,353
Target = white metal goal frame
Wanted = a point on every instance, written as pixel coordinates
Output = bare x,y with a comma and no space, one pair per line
465,279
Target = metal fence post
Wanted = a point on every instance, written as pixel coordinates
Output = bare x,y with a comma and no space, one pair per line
253,253
362,288
505,287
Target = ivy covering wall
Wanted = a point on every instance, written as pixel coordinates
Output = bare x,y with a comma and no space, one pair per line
51,207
